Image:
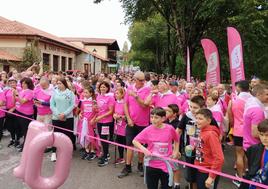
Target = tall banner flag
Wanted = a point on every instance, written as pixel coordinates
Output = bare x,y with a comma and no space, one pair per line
235,56
188,66
213,62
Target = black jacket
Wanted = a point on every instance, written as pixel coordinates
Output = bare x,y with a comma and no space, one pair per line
254,155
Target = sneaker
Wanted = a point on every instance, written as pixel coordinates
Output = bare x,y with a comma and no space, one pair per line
236,182
85,155
19,147
17,144
140,169
119,161
11,143
53,157
90,156
177,187
108,156
102,162
124,172
48,150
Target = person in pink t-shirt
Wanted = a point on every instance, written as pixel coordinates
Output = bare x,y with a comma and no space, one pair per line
254,114
2,114
42,97
120,123
237,107
138,115
24,107
163,97
104,119
159,137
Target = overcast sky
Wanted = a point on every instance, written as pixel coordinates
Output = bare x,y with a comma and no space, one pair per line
70,18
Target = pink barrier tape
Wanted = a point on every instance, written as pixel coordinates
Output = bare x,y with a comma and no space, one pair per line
164,158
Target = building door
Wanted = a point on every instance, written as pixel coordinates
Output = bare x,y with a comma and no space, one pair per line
63,63
86,68
6,68
70,64
55,63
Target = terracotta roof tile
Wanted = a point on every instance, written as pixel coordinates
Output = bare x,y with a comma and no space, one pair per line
7,56
8,27
91,40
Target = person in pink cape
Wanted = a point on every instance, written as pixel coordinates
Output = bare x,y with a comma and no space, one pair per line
254,113
224,97
120,123
162,97
138,115
160,139
24,106
104,119
186,96
88,110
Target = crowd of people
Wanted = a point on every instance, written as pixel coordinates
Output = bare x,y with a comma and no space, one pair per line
163,116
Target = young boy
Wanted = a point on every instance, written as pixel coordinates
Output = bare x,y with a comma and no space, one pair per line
159,137
208,150
187,129
257,156
172,112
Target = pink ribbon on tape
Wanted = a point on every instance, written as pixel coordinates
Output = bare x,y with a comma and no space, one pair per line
164,158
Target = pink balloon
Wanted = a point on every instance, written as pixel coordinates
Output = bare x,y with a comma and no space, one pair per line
64,147
34,129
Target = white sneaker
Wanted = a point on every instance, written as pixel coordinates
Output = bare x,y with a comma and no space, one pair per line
53,157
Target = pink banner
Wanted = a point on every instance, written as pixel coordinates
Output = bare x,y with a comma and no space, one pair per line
212,57
235,56
188,66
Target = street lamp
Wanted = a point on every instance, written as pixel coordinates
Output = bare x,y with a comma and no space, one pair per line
94,63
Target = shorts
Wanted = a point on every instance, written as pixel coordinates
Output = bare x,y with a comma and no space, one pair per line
238,141
132,132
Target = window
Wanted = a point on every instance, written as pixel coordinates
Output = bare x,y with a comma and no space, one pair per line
63,63
46,59
86,68
55,63
70,64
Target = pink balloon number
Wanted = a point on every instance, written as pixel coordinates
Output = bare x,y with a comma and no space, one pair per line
30,167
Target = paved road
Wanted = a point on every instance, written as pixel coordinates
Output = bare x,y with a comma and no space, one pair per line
85,174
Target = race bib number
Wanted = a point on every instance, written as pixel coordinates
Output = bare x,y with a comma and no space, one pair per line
160,148
105,130
190,130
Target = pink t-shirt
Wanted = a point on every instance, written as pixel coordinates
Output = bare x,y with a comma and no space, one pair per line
120,125
238,107
27,107
44,97
87,107
104,102
2,99
159,141
253,115
217,115
139,115
163,100
10,100
184,107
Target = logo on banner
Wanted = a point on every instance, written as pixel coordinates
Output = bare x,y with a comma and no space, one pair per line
236,57
212,62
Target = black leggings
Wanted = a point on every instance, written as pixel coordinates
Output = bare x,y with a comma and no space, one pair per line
153,176
1,127
67,124
201,179
105,145
121,140
23,124
12,125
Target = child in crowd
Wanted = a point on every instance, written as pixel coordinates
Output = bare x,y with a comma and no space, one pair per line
87,124
159,137
208,150
187,129
257,156
172,112
120,123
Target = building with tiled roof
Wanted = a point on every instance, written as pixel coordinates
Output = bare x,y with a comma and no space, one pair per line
106,48
56,53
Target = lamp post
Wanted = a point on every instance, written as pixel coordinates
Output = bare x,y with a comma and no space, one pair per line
94,63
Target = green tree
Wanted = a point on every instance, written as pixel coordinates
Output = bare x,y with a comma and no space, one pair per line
31,55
